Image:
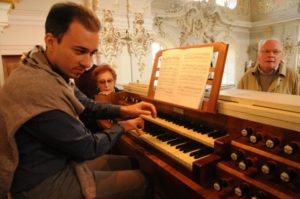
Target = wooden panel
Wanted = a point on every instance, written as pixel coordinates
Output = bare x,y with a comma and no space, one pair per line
10,62
236,178
278,101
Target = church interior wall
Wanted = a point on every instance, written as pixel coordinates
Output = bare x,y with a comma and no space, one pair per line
24,27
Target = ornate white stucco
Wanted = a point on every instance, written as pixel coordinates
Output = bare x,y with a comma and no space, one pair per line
170,22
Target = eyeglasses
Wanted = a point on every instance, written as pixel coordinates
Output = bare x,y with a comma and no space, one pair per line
275,52
104,81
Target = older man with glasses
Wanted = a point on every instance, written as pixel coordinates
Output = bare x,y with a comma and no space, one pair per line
270,74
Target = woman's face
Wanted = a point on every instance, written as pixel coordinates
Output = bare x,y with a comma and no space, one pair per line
105,82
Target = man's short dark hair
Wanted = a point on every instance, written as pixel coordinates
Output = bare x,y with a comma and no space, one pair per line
61,15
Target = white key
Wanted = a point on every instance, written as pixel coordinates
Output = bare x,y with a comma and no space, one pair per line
202,138
183,158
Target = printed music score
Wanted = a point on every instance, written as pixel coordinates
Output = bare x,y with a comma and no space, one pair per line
183,75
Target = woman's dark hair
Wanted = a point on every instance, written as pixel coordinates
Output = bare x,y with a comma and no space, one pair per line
61,15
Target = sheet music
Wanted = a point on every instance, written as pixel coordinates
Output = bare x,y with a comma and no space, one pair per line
183,75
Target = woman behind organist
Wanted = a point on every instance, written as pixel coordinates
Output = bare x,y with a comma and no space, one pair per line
105,78
97,83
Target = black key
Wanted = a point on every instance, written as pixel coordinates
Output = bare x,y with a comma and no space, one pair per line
202,152
212,133
177,141
206,130
155,133
200,147
189,125
191,148
170,136
220,133
163,136
181,146
200,128
187,146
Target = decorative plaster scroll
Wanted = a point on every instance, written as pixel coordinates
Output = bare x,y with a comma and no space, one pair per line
290,48
110,44
174,8
140,41
264,6
198,22
92,4
158,21
268,6
112,40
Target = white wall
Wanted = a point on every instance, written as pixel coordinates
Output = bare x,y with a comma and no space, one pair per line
25,28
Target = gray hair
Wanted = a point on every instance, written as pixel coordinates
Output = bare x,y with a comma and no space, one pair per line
262,42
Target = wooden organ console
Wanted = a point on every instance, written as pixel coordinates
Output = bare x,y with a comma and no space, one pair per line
249,148
243,151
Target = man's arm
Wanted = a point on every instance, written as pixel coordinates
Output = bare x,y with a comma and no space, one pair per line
101,110
97,110
67,135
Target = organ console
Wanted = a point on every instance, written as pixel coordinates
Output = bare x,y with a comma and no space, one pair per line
192,154
240,144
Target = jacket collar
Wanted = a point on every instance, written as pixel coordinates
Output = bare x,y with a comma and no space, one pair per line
37,58
282,70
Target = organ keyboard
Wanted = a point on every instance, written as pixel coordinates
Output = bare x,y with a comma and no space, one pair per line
183,144
196,131
249,149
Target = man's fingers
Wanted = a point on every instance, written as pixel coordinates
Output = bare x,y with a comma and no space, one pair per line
149,109
139,123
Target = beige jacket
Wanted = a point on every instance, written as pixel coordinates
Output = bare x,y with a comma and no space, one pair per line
33,88
286,81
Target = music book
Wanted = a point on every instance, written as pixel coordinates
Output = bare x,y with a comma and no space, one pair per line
183,75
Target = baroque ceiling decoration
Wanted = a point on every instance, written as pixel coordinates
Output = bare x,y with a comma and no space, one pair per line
265,6
197,21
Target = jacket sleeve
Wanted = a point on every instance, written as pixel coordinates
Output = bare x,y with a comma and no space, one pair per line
97,110
69,136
